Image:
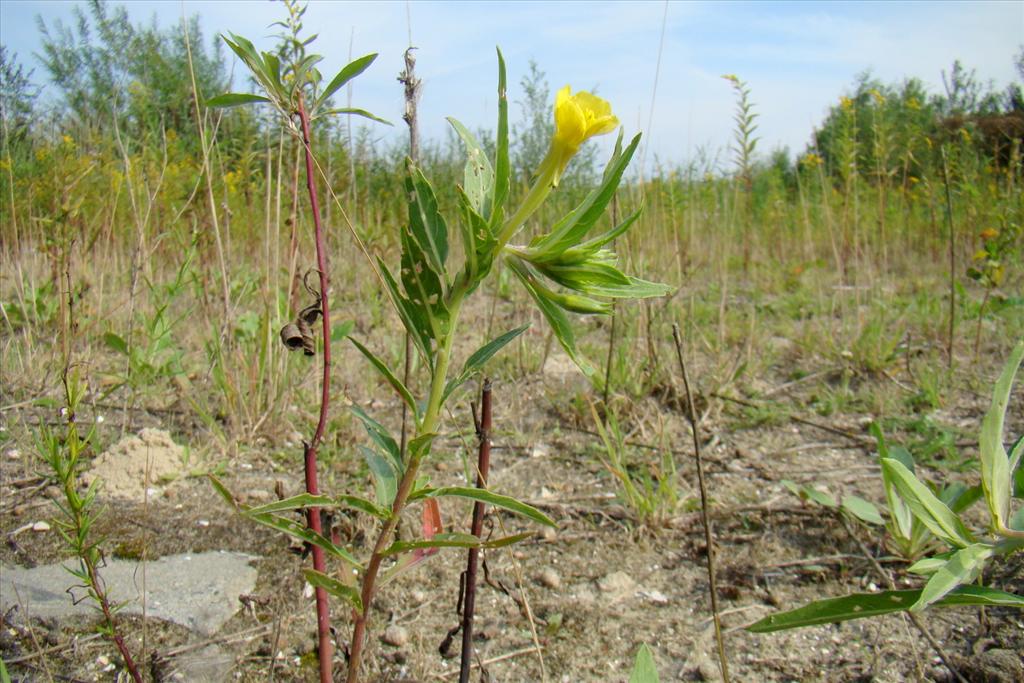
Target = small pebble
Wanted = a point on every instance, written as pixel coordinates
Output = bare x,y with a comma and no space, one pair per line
418,597
41,526
549,534
395,635
550,578
203,523
13,454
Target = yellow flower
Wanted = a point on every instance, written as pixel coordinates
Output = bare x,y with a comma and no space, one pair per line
846,103
577,118
989,234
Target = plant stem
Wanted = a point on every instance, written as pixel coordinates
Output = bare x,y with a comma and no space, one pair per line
427,426
952,260
469,598
691,413
323,616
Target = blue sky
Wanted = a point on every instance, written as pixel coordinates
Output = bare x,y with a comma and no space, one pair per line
797,57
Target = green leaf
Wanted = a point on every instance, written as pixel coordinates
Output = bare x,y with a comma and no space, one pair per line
385,372
1017,521
573,228
963,567
300,531
341,330
385,479
307,500
223,491
862,510
485,496
347,73
380,436
995,463
502,166
411,317
453,540
959,496
559,323
476,361
479,243
927,566
932,512
299,502
810,493
644,670
336,588
1016,452
860,605
426,224
419,447
352,111
478,182
424,288
115,342
234,99
901,519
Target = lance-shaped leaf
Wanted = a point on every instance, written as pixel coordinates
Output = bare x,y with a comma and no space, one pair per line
926,507
380,436
479,243
301,532
861,605
386,373
995,463
424,287
352,111
900,517
426,224
411,316
347,73
476,361
862,509
573,228
644,670
575,303
452,540
502,166
485,496
234,99
561,326
963,567
308,500
478,177
336,588
385,478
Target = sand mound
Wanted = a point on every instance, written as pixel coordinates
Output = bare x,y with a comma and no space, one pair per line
123,468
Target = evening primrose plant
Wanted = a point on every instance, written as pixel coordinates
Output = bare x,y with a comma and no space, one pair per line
566,270
918,514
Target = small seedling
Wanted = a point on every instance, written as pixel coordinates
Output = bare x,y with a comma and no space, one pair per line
917,514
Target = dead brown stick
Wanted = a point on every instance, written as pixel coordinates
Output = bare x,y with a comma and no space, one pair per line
723,662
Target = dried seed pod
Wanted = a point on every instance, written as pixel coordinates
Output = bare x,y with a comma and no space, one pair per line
308,343
310,313
291,336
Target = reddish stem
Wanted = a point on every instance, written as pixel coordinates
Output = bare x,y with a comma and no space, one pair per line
323,615
469,599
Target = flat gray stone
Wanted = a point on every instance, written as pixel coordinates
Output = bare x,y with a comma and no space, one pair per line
199,591
210,664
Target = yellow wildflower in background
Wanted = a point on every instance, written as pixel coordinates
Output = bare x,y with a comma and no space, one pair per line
846,103
989,234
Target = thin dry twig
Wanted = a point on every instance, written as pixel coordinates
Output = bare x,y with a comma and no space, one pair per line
708,534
